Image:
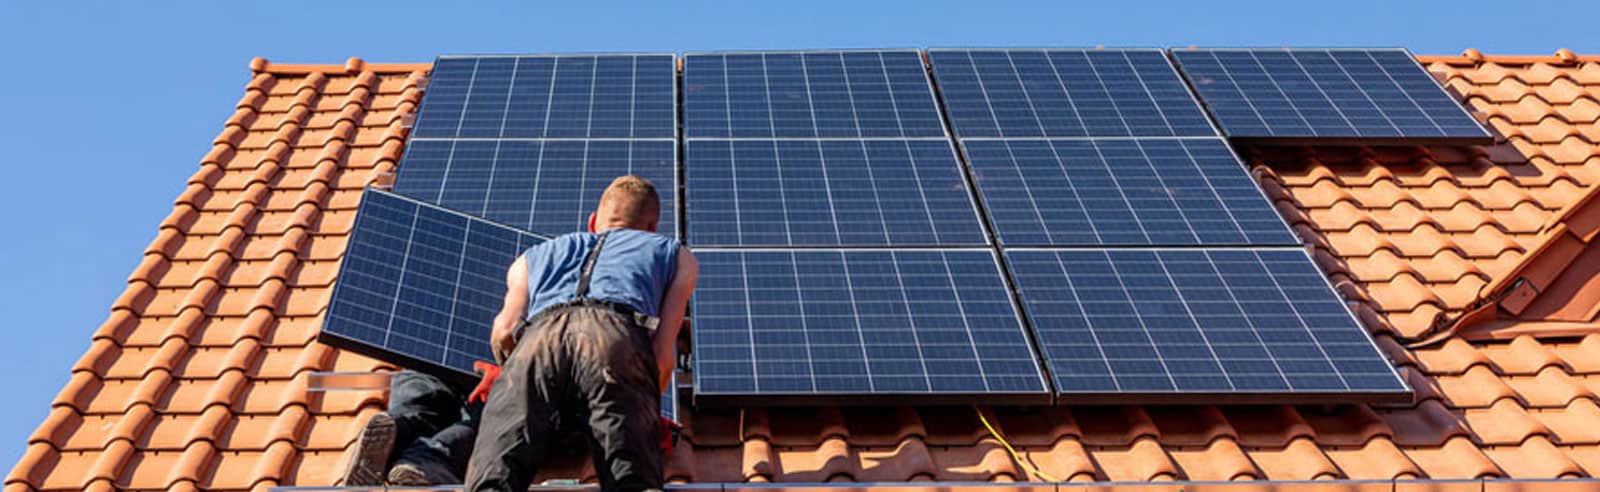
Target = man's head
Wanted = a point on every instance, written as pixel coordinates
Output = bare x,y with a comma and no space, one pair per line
630,202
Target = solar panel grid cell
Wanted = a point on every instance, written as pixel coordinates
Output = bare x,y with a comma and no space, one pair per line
828,193
1065,93
547,185
566,96
422,282
1151,192
1250,323
839,323
822,94
1296,94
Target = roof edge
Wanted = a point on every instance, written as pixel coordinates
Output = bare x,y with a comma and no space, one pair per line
1471,56
353,65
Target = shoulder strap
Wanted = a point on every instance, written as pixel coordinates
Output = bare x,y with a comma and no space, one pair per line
588,265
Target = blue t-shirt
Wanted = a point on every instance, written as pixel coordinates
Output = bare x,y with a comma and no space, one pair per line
634,268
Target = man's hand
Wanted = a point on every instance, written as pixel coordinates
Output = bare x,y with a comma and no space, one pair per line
502,339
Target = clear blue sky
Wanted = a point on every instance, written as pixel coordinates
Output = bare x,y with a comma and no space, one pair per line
105,111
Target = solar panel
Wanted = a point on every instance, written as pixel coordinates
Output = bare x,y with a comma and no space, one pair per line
549,185
878,93
1291,95
420,285
1249,325
1065,93
550,96
814,325
828,193
1150,192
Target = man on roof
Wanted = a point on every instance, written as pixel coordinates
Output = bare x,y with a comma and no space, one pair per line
587,340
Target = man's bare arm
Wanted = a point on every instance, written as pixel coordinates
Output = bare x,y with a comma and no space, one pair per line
516,306
673,307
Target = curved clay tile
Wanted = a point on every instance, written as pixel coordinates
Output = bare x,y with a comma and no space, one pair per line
1478,387
1220,460
1524,356
1573,424
1457,458
1536,458
1505,422
1553,387
1300,459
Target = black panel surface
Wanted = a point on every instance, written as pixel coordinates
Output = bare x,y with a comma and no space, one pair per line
828,193
550,96
1118,192
548,185
840,94
1297,95
814,326
420,285
1252,325
1066,93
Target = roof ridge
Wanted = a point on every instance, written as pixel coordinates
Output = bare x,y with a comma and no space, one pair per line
354,65
1471,56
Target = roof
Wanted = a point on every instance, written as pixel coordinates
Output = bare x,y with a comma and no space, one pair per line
1483,258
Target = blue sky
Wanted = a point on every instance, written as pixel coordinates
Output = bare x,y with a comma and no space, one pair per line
105,110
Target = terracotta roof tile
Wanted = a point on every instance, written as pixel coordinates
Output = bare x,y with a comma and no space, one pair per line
197,377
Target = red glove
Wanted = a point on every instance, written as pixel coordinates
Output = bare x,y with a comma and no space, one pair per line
669,436
489,371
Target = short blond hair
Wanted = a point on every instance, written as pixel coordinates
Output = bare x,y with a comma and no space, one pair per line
633,200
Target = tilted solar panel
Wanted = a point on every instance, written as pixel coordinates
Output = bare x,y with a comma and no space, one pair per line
890,192
843,94
1118,192
1300,95
1245,325
1065,93
549,185
420,285
814,326
550,96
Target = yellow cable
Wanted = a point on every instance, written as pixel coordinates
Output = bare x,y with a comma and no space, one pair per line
1025,464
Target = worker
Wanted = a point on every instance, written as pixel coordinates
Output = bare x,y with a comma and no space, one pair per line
423,438
587,340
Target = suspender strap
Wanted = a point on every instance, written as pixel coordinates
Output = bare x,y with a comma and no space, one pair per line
588,265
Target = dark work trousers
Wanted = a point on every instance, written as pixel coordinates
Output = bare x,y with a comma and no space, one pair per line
429,413
576,366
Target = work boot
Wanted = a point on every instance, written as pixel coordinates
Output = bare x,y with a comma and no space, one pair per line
369,458
421,465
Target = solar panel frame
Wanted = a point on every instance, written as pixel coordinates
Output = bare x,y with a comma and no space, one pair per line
1075,378
428,110
341,329
1200,123
703,230
691,129
1221,106
707,320
1091,207
418,182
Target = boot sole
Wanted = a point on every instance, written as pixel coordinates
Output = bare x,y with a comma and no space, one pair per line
370,459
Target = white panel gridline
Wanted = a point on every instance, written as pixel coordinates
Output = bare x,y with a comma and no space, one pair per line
1021,93
809,94
828,193
1119,192
840,323
548,186
1232,322
550,96
1380,94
